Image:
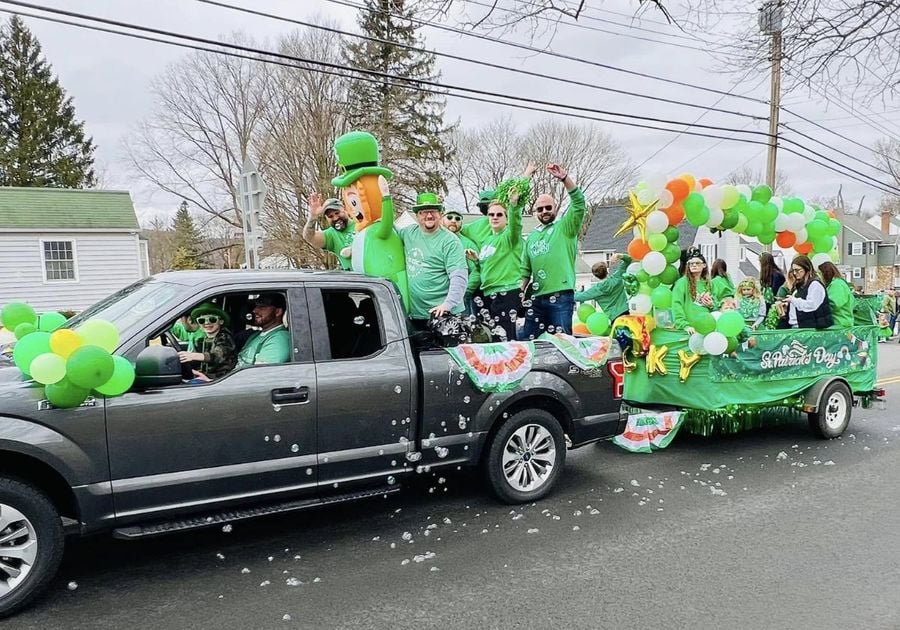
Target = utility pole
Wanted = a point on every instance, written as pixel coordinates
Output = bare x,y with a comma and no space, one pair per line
770,18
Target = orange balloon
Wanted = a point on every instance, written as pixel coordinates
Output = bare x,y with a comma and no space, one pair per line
689,179
803,248
675,212
637,249
832,214
580,329
679,188
705,182
786,239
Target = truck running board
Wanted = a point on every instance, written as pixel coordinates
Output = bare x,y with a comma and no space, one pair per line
159,528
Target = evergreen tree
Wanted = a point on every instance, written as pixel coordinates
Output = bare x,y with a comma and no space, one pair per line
41,142
408,122
187,242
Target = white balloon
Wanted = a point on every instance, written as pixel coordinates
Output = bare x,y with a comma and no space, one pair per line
645,196
715,343
640,304
654,263
656,182
795,222
695,344
809,214
802,235
657,222
716,315
633,268
778,202
713,196
745,190
716,216
818,259
782,222
666,199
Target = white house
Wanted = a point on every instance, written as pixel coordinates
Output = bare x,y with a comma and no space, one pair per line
64,249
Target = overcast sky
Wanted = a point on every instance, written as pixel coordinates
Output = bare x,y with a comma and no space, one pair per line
109,77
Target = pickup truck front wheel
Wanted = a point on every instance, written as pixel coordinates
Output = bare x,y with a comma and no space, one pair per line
526,456
31,544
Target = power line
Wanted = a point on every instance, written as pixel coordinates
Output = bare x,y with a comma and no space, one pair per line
382,75
542,51
844,153
479,62
403,83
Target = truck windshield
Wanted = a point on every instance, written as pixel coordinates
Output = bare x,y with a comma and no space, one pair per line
130,305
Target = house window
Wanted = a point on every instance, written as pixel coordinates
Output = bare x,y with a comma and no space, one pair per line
873,274
857,273
856,249
873,247
59,261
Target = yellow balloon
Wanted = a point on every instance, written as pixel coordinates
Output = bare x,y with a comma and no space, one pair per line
689,179
687,361
655,360
65,341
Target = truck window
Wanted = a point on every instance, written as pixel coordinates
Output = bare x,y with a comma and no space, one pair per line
354,329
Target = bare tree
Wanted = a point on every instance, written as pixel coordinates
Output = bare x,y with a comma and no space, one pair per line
483,157
754,176
887,156
160,242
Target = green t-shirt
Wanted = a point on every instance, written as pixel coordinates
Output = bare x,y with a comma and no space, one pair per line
272,346
474,269
681,300
500,256
429,260
722,287
191,337
477,231
549,256
336,240
842,303
609,293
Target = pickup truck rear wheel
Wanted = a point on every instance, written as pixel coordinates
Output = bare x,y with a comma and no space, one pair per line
833,415
31,544
525,456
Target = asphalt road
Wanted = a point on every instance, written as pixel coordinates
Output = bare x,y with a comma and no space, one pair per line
769,529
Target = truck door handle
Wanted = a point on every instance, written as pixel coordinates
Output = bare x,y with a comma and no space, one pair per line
289,395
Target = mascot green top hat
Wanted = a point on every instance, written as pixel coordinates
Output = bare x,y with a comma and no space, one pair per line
358,155
428,201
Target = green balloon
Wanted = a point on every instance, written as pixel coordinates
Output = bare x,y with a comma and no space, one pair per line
823,245
585,310
645,288
693,203
65,395
672,253
654,282
642,276
657,242
98,332
766,238
48,368
816,229
669,274
661,297
821,215
704,322
762,194
769,212
741,205
671,234
732,345
17,313
731,219
792,205
755,211
25,328
29,348
742,225
89,367
123,374
697,217
48,322
598,323
730,323
754,228
834,227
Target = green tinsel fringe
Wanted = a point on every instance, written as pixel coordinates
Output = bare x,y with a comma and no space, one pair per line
731,421
522,185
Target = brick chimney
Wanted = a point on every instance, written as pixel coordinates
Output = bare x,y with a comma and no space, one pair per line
886,222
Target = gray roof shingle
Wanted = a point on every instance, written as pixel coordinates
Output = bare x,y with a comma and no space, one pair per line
861,227
606,222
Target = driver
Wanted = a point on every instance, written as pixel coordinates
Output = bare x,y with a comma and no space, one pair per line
272,343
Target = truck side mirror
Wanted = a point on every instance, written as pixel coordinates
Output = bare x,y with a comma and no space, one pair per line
157,366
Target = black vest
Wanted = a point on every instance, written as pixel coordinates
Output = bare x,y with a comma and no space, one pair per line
819,318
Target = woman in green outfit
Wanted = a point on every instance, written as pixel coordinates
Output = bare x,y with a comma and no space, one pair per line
692,288
840,296
720,282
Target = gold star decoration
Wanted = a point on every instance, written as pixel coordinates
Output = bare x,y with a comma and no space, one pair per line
655,357
688,361
637,216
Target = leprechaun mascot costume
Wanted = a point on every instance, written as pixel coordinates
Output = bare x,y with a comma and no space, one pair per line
377,248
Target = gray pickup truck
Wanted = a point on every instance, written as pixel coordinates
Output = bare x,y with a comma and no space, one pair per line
361,405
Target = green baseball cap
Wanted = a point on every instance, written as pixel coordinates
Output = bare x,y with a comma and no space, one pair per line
428,201
486,196
357,154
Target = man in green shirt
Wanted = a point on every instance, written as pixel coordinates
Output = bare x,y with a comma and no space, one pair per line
186,329
453,222
548,262
435,264
338,237
272,343
609,292
478,230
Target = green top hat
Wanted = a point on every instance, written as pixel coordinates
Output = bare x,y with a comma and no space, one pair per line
428,201
357,154
486,196
210,309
